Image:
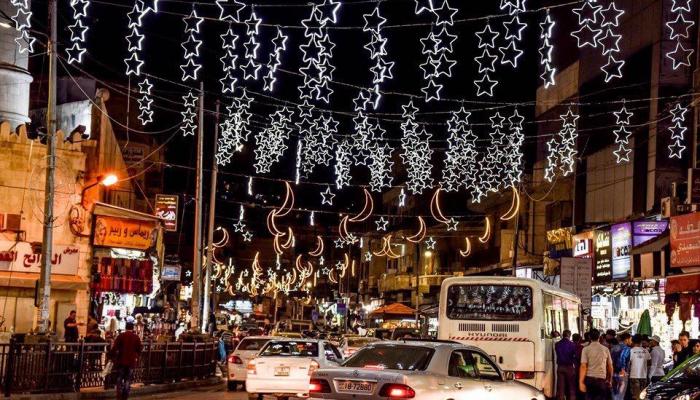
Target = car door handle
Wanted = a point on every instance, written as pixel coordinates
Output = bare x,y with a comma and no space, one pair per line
459,385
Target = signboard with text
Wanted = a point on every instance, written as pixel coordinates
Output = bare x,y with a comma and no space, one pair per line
166,209
125,233
583,244
685,240
643,231
576,278
603,256
621,240
559,242
19,257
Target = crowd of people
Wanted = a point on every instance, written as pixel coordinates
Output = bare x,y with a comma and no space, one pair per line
608,365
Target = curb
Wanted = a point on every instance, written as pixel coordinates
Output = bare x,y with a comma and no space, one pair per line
97,393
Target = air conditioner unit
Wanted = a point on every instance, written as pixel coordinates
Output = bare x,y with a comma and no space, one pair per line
10,222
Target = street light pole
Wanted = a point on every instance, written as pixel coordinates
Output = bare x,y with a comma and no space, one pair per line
49,188
210,230
197,261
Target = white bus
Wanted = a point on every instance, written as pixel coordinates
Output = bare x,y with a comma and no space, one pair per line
512,319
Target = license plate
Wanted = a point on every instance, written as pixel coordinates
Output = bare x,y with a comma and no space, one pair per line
354,386
282,371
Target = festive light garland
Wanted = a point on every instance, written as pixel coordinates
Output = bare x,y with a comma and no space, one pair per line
23,23
420,235
622,135
610,41
279,45
188,126
676,147
468,250
561,148
514,206
271,141
416,152
78,31
487,231
679,32
487,40
191,65
548,70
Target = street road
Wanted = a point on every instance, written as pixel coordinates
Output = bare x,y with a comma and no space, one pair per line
208,393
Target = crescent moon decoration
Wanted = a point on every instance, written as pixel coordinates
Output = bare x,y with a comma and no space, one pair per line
224,238
346,265
420,235
319,247
382,251
389,251
487,231
330,276
290,239
271,225
276,245
465,253
297,263
435,209
343,228
514,206
288,203
366,210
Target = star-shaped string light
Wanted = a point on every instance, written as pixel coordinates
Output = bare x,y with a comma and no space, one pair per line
78,30
382,224
271,142
327,197
677,130
416,152
679,32
548,70
622,135
191,64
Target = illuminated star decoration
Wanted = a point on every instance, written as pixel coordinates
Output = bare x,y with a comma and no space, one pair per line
23,23
437,47
279,45
562,149
134,41
679,33
492,164
677,130
510,53
548,70
416,152
271,142
589,24
380,166
78,31
512,150
191,65
327,197
317,52
135,46
430,243
381,68
188,125
461,170
235,128
487,38
343,161
381,223
247,236
229,61
622,135
251,67
609,41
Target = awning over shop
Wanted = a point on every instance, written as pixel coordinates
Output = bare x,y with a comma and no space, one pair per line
685,283
119,212
393,310
28,279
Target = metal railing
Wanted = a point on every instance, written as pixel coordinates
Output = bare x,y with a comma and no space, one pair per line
55,367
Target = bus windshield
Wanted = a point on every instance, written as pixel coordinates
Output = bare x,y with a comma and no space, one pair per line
489,302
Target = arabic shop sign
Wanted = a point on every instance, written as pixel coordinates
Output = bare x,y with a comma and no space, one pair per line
685,240
559,242
124,233
603,256
583,244
643,231
621,238
166,209
19,257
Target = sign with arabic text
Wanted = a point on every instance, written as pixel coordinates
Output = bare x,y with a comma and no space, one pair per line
644,231
583,244
166,209
685,240
603,256
125,233
559,242
19,257
621,239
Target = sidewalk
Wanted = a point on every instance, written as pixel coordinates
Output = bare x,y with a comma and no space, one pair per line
136,390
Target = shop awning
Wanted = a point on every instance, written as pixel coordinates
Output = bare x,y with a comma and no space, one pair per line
684,283
395,309
119,212
27,280
657,244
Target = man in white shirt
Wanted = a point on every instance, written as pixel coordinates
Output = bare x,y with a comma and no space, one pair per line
595,373
658,356
639,356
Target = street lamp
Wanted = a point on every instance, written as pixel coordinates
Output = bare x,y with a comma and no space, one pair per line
104,180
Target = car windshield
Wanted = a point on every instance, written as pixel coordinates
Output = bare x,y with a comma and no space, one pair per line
359,342
404,358
252,344
299,348
690,370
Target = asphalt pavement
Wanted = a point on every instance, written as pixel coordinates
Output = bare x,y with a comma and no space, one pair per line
218,392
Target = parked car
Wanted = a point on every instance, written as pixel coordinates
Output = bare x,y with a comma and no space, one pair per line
425,370
290,335
349,344
246,350
284,366
683,382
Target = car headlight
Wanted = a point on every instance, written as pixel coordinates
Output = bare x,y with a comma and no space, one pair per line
693,394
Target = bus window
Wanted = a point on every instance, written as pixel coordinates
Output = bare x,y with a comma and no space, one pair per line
489,302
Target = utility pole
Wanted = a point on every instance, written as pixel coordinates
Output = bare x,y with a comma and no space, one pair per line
212,212
47,240
197,261
516,235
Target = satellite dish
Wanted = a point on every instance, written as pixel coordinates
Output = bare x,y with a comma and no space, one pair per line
64,193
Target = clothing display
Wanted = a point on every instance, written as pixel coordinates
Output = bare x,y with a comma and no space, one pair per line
123,275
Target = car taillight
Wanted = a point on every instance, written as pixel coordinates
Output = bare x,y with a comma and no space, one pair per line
396,391
313,367
250,368
523,375
319,386
232,359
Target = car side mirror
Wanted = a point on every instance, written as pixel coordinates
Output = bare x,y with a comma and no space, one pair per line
510,376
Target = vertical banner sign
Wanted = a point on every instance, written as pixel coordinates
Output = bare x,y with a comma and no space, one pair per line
576,276
621,238
603,257
166,209
685,240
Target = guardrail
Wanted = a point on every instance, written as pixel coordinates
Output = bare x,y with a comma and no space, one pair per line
56,367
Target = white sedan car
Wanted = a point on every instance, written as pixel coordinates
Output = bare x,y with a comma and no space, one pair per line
418,370
247,349
349,344
283,367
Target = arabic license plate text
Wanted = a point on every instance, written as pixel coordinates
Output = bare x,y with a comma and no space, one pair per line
282,371
354,386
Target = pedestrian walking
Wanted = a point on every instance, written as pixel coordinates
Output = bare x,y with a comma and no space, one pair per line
70,328
595,375
566,367
658,355
621,356
639,357
125,353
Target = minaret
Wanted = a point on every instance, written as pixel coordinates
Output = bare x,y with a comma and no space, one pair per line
14,75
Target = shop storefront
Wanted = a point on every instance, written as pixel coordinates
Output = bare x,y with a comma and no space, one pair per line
126,268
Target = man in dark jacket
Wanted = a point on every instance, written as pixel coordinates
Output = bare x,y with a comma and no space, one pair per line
125,356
